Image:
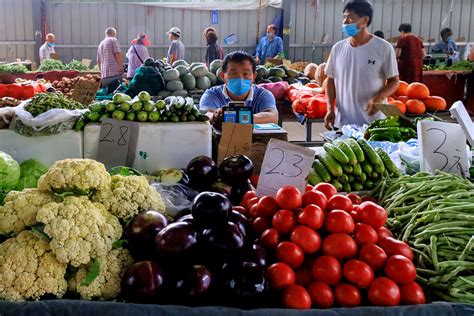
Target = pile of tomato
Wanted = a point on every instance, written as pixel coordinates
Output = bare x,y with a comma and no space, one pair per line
332,249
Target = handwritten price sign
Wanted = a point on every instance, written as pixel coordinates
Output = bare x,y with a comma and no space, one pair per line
284,164
442,147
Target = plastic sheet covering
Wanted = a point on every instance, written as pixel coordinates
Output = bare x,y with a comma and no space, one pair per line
215,4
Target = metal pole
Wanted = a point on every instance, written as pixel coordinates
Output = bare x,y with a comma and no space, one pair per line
286,27
258,21
39,16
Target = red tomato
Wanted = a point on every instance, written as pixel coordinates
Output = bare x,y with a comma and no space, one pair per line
372,214
311,216
289,197
306,238
339,221
280,275
267,206
270,238
354,198
393,246
384,292
358,273
241,210
340,202
289,253
374,256
383,232
247,196
303,276
284,221
347,295
339,246
356,208
317,198
327,188
308,187
254,180
369,199
411,294
260,224
253,210
364,234
327,269
400,269
321,294
309,261
296,296
354,216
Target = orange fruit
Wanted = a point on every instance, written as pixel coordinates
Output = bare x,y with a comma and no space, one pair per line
400,105
403,98
402,88
417,90
435,104
415,106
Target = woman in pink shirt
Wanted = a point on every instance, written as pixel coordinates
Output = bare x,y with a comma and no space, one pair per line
137,54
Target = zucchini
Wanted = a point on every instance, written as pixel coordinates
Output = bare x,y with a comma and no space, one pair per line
356,186
380,169
331,164
357,170
346,187
348,151
362,178
343,179
336,184
367,167
314,178
347,168
370,152
389,165
336,153
356,149
321,170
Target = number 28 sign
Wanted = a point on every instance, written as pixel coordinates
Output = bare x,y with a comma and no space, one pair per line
284,164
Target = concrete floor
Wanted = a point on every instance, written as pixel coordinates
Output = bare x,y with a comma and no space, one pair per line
297,132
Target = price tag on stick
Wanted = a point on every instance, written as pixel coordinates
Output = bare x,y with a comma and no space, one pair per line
284,164
117,143
442,147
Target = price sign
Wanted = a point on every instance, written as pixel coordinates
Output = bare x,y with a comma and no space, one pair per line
236,139
117,143
284,164
442,147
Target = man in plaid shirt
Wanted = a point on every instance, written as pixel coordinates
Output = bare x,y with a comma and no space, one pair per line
109,59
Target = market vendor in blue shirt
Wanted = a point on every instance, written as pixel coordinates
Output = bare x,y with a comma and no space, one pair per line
446,45
270,46
239,73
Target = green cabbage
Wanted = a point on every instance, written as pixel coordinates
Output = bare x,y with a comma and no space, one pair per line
30,171
9,172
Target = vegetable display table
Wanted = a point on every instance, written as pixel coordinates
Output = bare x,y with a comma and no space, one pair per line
46,75
450,85
77,308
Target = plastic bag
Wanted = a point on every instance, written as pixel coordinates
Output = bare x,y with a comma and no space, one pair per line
176,197
51,122
278,89
6,115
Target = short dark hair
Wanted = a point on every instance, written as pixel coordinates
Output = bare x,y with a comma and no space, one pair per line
361,8
405,27
238,57
211,37
446,31
273,27
379,34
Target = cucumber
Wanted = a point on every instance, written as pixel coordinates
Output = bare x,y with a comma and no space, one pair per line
356,149
356,186
348,151
374,175
321,170
380,169
370,152
389,165
336,184
336,153
343,179
314,178
367,167
357,170
351,178
362,178
369,184
331,164
347,168
346,187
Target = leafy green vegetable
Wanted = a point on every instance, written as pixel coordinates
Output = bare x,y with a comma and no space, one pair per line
39,230
124,171
119,243
13,68
94,270
9,172
51,64
30,172
76,65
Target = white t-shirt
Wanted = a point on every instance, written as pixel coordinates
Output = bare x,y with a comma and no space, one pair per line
359,73
45,51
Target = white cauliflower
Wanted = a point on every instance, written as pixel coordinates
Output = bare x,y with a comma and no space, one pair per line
106,286
20,210
29,270
128,195
76,175
79,229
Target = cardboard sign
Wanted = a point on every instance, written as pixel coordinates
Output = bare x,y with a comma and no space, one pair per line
54,55
284,164
236,139
85,91
389,110
459,112
86,62
442,147
117,143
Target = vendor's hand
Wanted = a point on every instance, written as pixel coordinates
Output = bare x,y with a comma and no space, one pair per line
329,120
371,109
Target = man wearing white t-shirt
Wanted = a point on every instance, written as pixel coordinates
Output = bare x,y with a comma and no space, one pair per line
362,70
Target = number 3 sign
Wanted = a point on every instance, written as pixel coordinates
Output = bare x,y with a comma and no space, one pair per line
284,164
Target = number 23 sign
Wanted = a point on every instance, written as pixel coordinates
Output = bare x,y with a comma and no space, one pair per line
284,164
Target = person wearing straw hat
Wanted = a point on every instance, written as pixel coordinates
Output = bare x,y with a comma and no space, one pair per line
137,53
176,50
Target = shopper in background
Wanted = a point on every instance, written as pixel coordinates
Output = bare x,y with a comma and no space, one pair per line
362,71
446,45
109,59
47,48
137,54
410,52
214,50
379,34
176,50
270,46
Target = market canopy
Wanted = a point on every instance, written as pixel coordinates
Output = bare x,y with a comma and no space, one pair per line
214,4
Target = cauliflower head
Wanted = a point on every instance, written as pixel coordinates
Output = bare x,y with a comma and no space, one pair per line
79,229
129,195
20,210
28,269
75,175
107,284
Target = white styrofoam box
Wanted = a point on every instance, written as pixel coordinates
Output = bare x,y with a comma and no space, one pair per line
46,149
163,145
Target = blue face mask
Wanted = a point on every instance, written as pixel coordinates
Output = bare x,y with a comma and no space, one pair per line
450,38
350,29
269,34
51,44
239,86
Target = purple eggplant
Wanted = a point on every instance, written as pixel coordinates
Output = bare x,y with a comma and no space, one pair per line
194,282
210,209
202,169
238,191
257,254
176,238
222,188
227,237
142,282
142,230
186,218
236,169
240,220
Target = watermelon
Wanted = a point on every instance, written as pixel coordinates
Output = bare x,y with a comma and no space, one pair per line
212,78
182,70
174,85
203,83
189,82
171,75
180,63
199,71
215,65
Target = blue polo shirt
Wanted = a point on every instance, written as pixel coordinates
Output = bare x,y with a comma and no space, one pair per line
259,99
269,48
